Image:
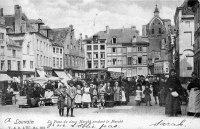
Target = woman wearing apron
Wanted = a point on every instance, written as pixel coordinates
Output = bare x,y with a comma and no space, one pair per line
193,108
86,98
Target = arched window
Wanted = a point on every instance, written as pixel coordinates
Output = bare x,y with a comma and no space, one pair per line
160,31
114,40
152,31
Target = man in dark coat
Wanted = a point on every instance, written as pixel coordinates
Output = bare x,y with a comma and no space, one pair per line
155,86
174,91
109,92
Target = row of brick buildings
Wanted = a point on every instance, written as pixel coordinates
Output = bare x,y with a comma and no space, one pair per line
117,50
125,51
30,48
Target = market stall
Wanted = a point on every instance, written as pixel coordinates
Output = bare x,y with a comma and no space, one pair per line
4,95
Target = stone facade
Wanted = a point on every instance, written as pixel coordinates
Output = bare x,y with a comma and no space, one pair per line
10,53
195,6
158,33
33,38
73,51
117,50
184,24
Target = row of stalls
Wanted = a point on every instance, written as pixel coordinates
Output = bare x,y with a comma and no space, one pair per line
4,81
18,84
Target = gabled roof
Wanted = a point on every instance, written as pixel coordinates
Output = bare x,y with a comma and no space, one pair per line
9,20
58,36
45,28
124,35
36,21
142,40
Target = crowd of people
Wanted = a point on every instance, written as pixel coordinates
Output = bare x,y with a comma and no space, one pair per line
92,94
76,93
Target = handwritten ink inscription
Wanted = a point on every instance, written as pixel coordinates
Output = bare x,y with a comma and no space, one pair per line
163,123
18,121
85,124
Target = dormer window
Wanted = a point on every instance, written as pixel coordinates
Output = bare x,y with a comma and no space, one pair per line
134,38
114,40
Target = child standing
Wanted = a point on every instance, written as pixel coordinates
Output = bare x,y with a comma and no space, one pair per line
123,96
147,92
101,91
70,98
61,92
94,96
86,98
138,96
78,99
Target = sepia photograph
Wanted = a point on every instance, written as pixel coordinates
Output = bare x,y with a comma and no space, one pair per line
99,64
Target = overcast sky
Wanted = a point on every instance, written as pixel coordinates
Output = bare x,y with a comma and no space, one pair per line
90,16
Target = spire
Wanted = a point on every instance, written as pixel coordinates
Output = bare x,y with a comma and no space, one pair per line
156,11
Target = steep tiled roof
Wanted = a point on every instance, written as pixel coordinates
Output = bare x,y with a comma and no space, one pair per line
45,28
124,35
36,21
58,36
9,20
142,40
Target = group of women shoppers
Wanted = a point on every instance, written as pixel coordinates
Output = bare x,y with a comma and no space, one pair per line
90,95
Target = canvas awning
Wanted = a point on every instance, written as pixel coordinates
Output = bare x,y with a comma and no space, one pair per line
41,73
70,76
5,77
63,75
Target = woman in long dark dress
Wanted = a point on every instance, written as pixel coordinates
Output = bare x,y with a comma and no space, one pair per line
193,108
174,91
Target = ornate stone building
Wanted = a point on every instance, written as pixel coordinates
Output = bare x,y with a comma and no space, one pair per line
184,24
158,33
73,51
195,6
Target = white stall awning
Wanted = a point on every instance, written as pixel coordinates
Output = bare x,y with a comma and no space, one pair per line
62,75
5,77
41,73
115,70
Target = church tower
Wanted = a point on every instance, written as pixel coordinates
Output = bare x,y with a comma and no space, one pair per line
156,11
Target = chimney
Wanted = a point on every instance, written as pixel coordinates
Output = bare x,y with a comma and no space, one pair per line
18,20
107,29
1,12
18,11
86,36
